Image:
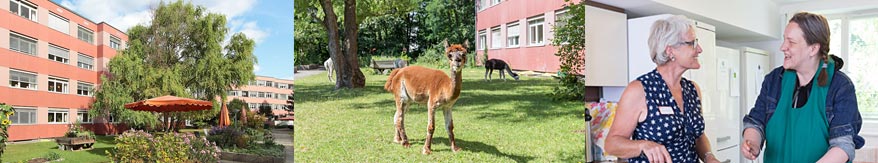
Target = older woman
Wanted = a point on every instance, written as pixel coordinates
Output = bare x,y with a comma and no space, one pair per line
659,115
807,109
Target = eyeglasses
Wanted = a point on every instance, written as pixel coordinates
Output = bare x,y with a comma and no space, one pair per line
693,43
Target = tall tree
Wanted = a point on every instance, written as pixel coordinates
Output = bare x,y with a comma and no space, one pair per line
291,103
179,53
265,110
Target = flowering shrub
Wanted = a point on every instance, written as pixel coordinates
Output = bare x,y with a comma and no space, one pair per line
139,146
5,112
225,136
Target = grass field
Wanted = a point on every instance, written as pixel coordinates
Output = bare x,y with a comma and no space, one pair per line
24,152
497,121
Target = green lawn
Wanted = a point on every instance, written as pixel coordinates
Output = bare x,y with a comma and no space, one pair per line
513,121
23,152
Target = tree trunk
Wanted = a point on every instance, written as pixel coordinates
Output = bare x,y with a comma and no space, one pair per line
357,80
331,25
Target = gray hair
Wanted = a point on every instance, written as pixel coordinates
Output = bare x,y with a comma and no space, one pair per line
667,32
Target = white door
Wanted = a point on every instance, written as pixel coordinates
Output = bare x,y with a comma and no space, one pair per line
756,66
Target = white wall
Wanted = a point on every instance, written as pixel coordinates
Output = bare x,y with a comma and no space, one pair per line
753,15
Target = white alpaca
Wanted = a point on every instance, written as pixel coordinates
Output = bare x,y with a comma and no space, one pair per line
329,68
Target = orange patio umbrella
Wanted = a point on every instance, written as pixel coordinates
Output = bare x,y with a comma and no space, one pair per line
244,111
224,116
166,104
170,104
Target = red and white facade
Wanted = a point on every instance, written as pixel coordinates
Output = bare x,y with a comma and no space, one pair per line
519,32
50,62
272,91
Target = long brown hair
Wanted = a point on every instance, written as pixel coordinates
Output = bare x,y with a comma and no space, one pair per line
815,29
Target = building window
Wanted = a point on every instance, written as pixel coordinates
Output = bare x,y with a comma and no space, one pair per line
85,61
24,9
858,35
495,2
261,95
58,85
251,105
57,116
535,31
496,38
115,43
512,35
483,40
23,44
24,116
290,87
561,17
245,93
112,119
233,93
59,23
59,54
85,34
260,83
83,117
20,79
84,89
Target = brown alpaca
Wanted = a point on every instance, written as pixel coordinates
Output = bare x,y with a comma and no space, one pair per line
415,84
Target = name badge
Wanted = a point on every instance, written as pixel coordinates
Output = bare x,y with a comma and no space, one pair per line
666,110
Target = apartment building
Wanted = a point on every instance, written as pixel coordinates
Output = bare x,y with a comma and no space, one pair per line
265,90
51,62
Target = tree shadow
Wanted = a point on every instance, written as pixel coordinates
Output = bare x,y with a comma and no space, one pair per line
473,146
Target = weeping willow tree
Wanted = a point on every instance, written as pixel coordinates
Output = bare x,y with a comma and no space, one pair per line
178,53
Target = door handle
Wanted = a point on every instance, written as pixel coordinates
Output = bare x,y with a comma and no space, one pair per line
722,139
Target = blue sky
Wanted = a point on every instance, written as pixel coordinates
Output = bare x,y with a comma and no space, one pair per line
269,23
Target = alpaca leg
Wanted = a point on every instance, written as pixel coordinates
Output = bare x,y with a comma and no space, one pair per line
502,74
404,139
397,122
449,126
431,115
486,73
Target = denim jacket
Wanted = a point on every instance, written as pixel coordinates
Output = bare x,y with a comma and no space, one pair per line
841,110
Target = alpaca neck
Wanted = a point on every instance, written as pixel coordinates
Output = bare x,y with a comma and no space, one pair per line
456,82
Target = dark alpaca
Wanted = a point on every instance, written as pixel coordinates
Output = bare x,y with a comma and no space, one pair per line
496,64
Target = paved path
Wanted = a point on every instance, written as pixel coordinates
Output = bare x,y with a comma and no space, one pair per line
306,73
284,136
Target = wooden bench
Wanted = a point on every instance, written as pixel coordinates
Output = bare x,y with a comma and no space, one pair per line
74,143
381,66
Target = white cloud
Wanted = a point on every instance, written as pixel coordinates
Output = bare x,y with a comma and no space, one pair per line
126,14
254,32
255,67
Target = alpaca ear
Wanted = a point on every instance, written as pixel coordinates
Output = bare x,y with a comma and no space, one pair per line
466,44
445,43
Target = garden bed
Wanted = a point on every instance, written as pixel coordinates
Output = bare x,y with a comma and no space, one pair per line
241,157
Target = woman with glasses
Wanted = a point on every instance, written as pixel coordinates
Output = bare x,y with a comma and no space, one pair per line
807,108
659,115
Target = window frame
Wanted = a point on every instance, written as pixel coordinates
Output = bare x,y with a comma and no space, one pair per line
497,38
58,81
483,39
509,34
532,24
79,90
33,11
80,63
35,83
115,42
65,116
52,25
83,30
64,51
32,46
79,117
21,111
844,52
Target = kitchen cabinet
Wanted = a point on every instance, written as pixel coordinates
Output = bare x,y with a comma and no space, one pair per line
606,52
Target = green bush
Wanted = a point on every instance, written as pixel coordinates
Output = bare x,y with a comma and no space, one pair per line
433,56
51,156
139,146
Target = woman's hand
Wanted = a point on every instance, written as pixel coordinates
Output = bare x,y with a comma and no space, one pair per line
655,152
751,147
